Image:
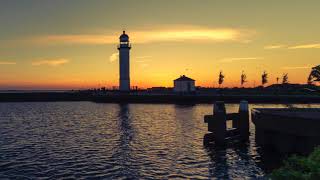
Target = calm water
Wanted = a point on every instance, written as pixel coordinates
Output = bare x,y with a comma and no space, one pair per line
88,140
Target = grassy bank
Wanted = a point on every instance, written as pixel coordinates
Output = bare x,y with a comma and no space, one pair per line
299,167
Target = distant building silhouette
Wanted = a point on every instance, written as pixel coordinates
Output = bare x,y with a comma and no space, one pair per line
184,84
124,64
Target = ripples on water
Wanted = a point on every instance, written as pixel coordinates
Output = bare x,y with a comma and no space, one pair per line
89,140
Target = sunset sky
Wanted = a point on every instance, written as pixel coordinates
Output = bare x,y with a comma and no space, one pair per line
71,44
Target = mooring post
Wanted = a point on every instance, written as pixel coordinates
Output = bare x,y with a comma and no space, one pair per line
218,125
243,121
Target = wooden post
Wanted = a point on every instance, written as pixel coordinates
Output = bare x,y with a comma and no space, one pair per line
218,125
243,121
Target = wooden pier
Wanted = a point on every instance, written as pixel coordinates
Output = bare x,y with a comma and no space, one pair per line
217,124
285,130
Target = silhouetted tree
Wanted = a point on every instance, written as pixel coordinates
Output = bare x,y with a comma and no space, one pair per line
285,79
314,75
310,79
277,80
243,78
221,78
264,78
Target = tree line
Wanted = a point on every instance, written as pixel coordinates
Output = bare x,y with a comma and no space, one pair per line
313,77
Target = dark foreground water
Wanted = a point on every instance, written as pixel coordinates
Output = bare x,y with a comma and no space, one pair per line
85,140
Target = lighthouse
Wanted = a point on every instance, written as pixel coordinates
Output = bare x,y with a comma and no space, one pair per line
124,64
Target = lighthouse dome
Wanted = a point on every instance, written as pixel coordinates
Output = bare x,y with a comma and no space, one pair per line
124,37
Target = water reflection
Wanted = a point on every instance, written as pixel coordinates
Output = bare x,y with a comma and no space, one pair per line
83,140
184,115
125,125
124,151
228,161
218,167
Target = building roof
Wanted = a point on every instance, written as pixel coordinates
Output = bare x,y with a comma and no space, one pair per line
184,78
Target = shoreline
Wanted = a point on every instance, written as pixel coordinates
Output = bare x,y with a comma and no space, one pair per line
155,99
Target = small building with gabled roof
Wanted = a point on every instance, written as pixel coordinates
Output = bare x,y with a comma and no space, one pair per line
184,84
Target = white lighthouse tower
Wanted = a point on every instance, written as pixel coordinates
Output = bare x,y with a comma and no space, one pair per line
124,56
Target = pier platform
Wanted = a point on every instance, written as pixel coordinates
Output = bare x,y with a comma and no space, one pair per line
287,130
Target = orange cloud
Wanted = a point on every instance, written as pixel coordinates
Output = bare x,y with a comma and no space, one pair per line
7,63
278,46
297,67
50,62
229,60
305,46
114,57
175,34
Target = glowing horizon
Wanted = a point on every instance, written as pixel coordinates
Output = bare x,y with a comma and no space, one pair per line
74,49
